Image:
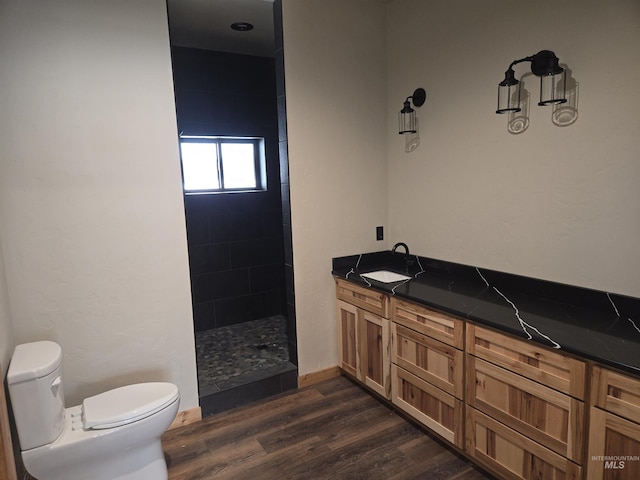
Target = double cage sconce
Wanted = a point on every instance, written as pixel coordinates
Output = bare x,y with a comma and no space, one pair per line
553,82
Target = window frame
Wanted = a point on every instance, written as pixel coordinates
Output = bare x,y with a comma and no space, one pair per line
259,162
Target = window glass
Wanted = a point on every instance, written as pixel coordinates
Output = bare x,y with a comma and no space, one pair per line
199,166
238,165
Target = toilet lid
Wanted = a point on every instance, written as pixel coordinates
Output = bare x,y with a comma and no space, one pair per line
128,404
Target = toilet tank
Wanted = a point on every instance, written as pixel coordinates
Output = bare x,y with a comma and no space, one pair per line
34,379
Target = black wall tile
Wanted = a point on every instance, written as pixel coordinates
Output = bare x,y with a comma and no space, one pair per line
267,277
209,258
203,316
234,239
235,310
251,253
218,285
231,226
197,229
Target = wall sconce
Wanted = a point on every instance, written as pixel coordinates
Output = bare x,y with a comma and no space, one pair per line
544,64
407,123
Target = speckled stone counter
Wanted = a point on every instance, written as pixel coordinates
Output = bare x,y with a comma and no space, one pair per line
597,325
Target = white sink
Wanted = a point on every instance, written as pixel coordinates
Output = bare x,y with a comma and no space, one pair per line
385,276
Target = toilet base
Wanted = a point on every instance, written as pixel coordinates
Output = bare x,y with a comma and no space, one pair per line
143,463
129,452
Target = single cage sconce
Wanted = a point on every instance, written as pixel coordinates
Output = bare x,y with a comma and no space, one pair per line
553,82
407,116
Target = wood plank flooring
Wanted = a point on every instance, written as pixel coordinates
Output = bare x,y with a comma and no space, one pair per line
331,430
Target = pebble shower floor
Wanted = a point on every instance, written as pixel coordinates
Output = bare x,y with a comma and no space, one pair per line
239,354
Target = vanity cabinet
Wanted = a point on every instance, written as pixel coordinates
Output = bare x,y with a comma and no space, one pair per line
427,367
519,409
526,409
364,336
614,426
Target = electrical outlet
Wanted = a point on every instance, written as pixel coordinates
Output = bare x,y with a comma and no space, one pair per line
379,233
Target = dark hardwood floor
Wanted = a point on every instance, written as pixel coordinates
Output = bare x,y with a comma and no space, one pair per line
331,430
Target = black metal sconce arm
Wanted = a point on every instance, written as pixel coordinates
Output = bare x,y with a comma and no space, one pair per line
543,63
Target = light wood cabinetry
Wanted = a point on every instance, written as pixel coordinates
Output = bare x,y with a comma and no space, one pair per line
364,298
347,334
436,362
374,353
427,368
529,398
614,426
528,359
616,393
513,455
437,325
521,410
545,415
364,341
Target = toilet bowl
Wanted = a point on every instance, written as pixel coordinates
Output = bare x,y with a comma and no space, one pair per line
111,436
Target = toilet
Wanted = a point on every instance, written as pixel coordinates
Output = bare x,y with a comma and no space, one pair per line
111,436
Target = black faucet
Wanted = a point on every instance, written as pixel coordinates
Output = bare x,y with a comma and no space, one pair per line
408,261
401,244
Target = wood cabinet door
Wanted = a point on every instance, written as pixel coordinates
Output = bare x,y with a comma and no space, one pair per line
547,416
429,405
614,447
348,338
436,362
560,372
512,455
374,351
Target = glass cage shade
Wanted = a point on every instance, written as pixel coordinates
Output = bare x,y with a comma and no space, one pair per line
508,98
407,121
553,89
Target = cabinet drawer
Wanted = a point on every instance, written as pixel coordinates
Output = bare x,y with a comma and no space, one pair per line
428,359
616,393
513,455
614,447
553,419
440,326
555,370
369,300
429,405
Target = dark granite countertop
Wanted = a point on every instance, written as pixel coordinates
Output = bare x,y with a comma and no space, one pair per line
601,326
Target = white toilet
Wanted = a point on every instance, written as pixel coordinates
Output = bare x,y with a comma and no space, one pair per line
111,436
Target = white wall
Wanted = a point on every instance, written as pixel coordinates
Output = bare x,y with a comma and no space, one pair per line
92,222
336,99
558,203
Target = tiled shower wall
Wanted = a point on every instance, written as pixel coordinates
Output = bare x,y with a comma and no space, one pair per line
284,183
236,250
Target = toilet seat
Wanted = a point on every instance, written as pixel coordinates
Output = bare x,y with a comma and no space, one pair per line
127,404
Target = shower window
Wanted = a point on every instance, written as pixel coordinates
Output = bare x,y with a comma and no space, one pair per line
222,164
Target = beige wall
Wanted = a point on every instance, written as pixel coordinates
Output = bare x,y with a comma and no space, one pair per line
92,222
336,99
558,203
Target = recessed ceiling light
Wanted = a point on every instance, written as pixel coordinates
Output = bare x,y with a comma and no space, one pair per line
242,26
